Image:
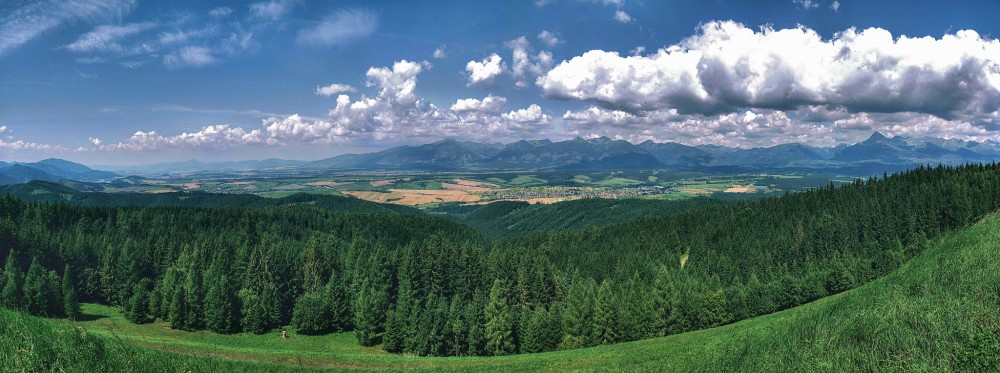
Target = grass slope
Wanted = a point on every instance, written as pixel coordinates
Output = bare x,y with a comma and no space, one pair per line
938,312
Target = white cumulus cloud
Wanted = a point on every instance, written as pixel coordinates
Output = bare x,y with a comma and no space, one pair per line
622,17
485,71
332,89
489,104
527,66
727,66
549,38
440,52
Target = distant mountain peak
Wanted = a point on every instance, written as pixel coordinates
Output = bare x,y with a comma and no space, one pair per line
448,140
877,136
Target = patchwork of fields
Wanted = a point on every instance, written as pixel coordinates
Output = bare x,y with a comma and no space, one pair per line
429,190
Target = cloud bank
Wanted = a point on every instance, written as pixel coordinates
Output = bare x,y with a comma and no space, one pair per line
727,66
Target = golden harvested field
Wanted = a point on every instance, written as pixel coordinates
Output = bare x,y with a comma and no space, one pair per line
741,189
473,183
462,187
382,182
414,197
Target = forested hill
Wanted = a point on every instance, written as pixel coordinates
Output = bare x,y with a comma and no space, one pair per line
938,312
42,191
850,226
427,286
515,218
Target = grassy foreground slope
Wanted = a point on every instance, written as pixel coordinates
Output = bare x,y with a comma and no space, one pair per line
938,312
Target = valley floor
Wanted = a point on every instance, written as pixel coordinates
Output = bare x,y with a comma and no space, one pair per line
939,312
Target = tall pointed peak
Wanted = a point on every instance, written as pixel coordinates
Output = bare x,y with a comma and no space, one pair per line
877,136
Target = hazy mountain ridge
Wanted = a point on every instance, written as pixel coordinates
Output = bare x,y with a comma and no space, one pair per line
50,170
603,152
578,153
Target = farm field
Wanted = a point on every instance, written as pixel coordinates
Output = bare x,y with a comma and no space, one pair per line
429,189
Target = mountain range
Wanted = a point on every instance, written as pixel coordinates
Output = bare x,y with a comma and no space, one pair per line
605,153
875,154
51,169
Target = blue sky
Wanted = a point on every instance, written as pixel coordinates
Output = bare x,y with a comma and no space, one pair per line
126,81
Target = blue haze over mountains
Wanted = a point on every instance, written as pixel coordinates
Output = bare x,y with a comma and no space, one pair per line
874,155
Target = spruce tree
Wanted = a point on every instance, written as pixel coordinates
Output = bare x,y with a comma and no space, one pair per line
71,304
53,295
178,309
221,308
457,328
499,326
254,315
13,290
394,338
607,316
35,289
339,305
535,338
137,309
578,314
312,314
474,317
3,276
370,308
662,299
194,293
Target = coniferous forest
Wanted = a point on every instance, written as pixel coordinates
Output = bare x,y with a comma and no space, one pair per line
426,285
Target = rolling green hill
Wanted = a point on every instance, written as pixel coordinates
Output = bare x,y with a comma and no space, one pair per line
938,312
510,218
42,191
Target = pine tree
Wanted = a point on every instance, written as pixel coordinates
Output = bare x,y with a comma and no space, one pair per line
194,293
137,309
663,296
474,317
71,304
535,335
457,329
578,313
499,326
35,289
370,308
221,312
254,315
13,290
178,309
607,316
394,338
3,276
54,306
339,305
639,320
312,314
